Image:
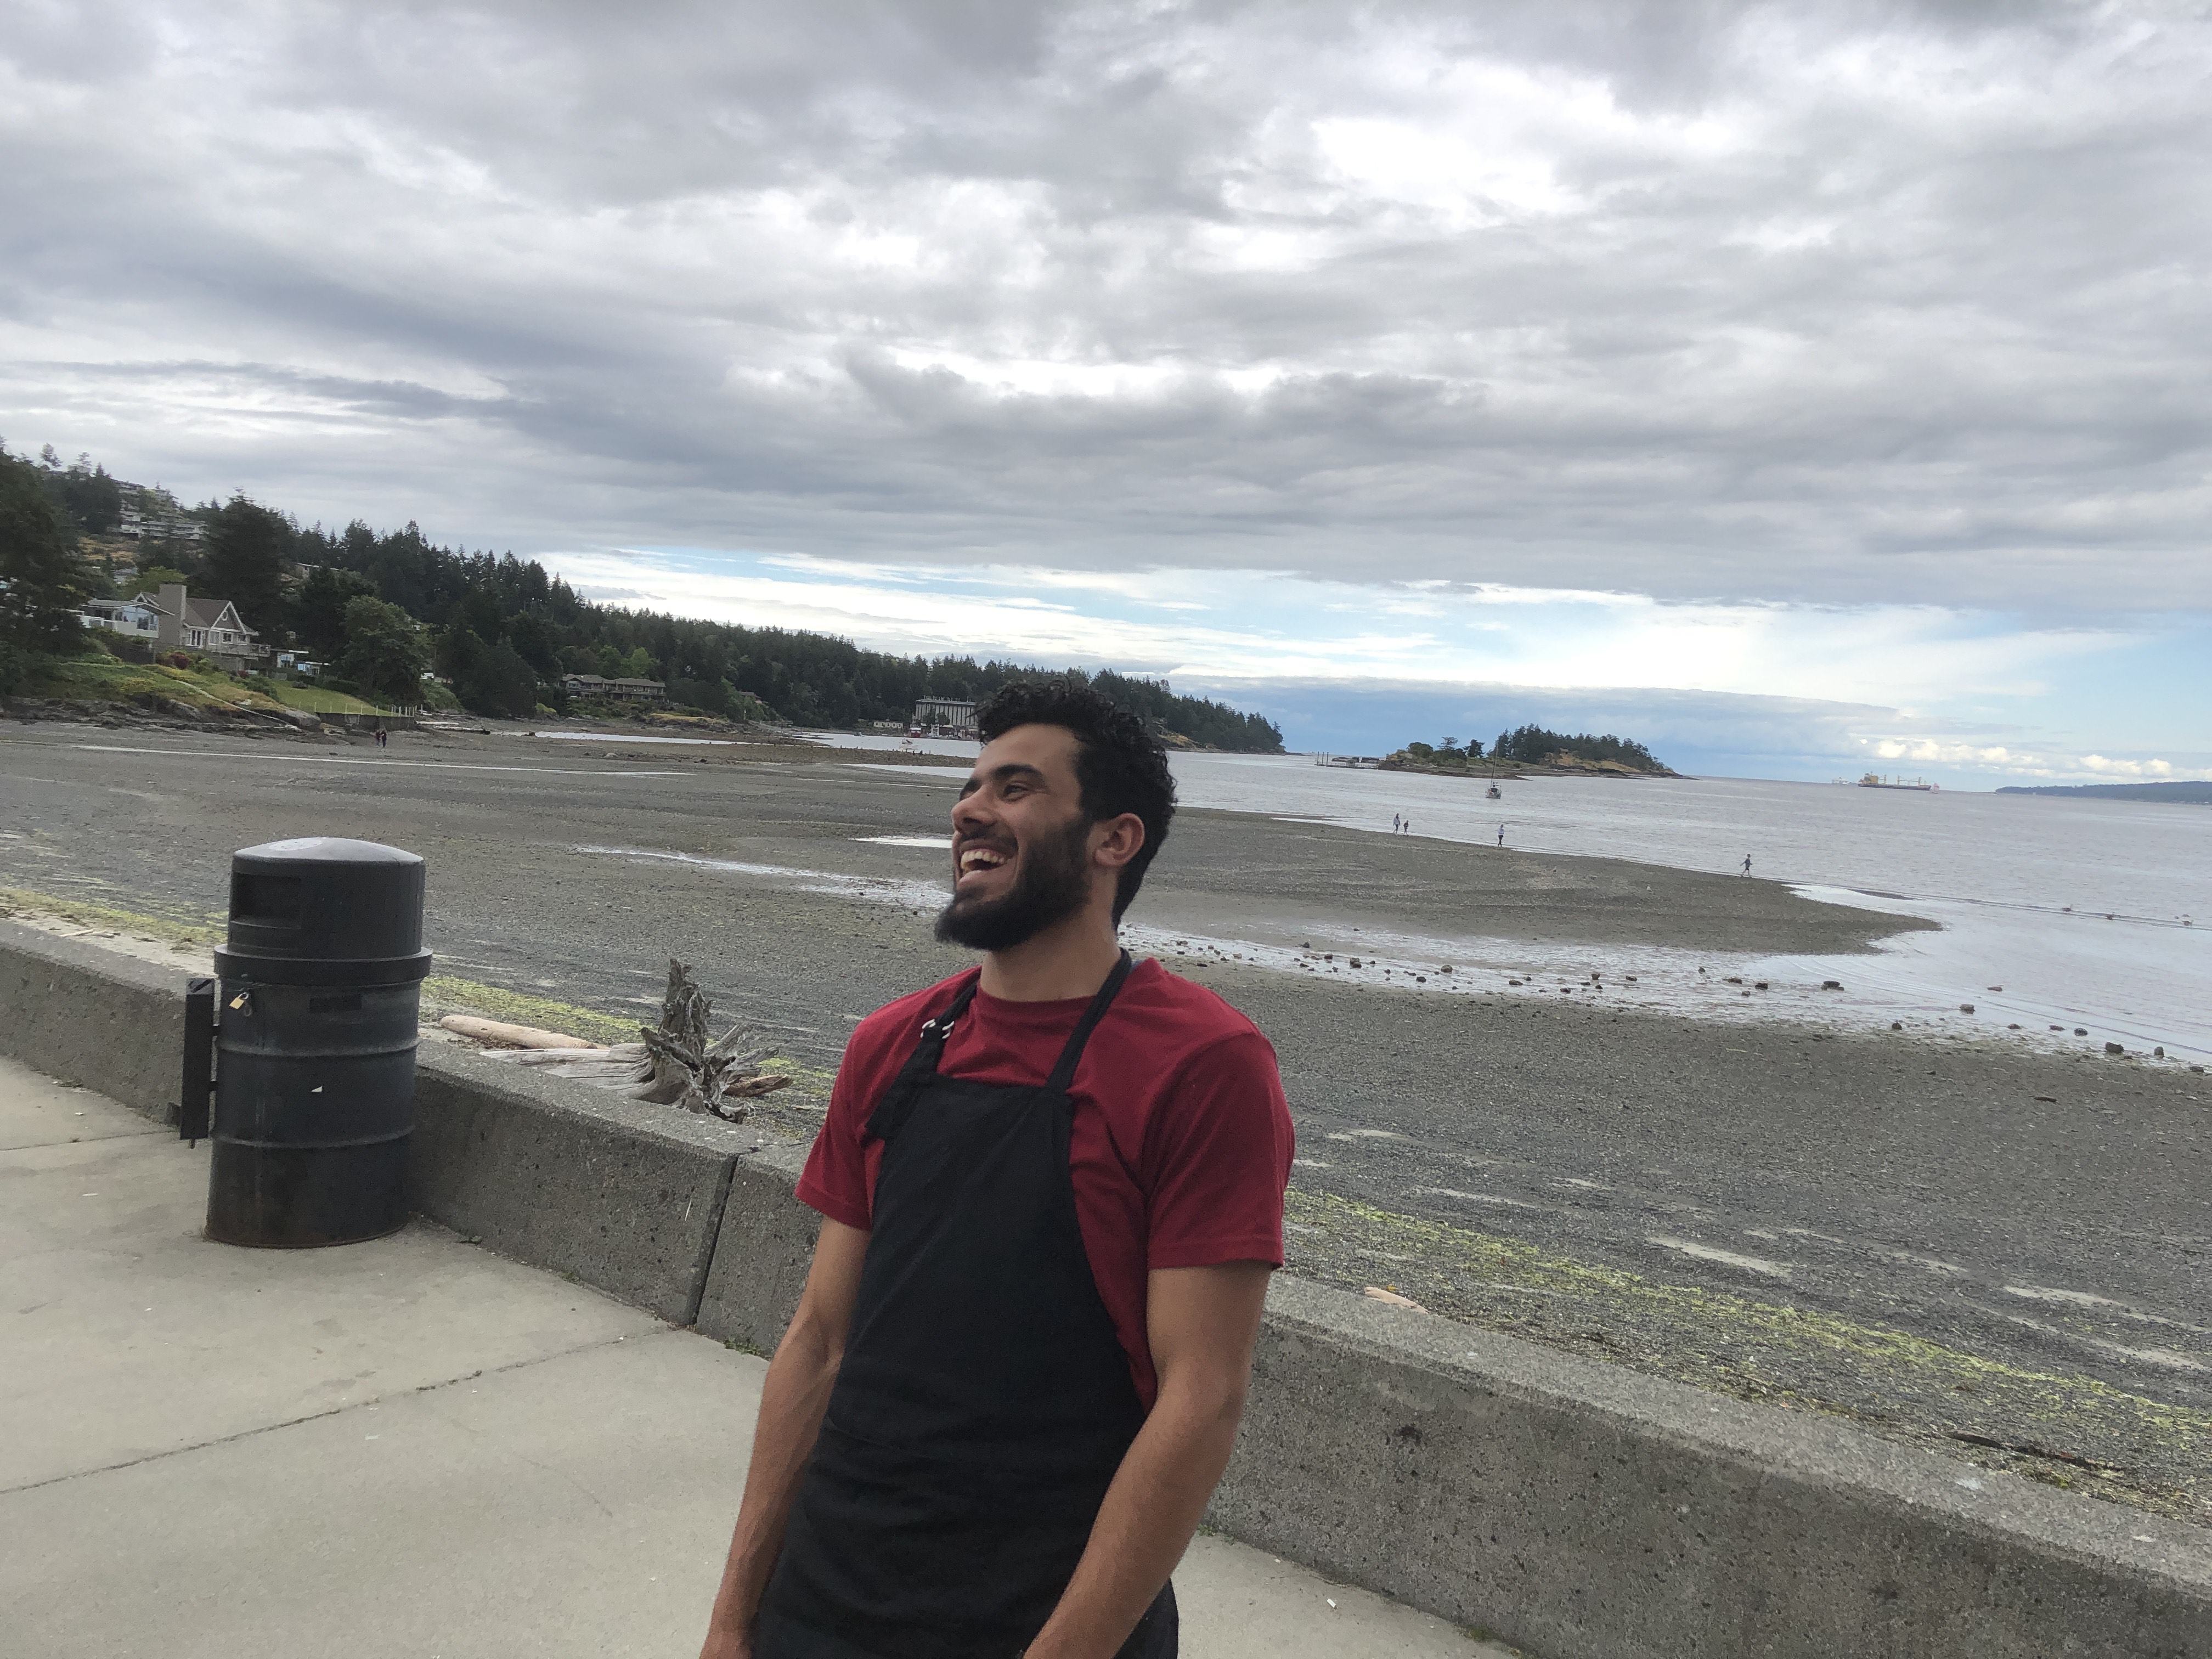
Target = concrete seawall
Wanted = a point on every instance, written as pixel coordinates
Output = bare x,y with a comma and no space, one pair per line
1576,1509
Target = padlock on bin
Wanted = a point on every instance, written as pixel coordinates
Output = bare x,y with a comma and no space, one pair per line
316,1012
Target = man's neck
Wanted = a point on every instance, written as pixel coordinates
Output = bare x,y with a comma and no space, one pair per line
1071,959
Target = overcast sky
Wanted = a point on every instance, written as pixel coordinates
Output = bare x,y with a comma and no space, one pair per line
1849,358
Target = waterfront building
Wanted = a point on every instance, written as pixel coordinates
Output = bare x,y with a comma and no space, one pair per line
593,688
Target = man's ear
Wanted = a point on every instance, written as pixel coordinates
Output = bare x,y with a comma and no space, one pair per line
1115,842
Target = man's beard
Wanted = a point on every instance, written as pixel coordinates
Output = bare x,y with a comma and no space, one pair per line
1054,884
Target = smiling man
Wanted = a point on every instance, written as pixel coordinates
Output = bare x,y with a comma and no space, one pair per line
1052,1193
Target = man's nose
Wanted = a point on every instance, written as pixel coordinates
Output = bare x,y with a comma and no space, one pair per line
969,816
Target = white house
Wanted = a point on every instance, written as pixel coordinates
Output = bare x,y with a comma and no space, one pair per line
948,714
211,626
133,619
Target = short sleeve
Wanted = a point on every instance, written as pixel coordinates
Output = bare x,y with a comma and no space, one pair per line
835,1178
1216,1160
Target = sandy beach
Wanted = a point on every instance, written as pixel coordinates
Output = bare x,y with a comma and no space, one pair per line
1997,1250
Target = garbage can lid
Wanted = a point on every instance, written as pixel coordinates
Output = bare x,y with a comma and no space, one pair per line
337,910
325,849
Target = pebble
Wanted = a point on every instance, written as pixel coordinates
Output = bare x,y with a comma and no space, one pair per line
1966,1007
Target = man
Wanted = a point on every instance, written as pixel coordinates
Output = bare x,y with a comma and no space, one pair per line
1052,1195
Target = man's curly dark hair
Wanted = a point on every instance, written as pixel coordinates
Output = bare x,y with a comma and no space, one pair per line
1120,765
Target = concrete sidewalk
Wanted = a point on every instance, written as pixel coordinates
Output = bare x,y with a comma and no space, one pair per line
406,1448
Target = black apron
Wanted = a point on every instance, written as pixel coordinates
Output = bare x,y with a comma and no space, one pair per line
984,1403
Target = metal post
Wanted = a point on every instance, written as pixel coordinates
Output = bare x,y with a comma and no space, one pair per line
199,1086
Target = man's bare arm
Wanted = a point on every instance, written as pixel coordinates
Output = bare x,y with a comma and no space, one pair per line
792,1399
1202,1322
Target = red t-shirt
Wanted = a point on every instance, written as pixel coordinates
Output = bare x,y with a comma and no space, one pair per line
1181,1143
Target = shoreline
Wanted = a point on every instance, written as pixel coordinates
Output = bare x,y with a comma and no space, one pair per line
1946,1195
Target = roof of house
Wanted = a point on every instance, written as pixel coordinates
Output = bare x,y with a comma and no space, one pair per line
206,613
199,613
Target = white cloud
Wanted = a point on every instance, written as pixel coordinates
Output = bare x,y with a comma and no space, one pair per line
2150,770
1875,308
1771,690
1256,625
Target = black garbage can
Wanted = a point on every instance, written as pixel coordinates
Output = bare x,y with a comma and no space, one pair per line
314,1090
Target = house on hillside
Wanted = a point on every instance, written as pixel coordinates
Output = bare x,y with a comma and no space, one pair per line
133,619
211,627
943,716
593,688
153,514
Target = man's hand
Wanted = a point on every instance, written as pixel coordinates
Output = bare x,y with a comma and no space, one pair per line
1202,1322
792,1399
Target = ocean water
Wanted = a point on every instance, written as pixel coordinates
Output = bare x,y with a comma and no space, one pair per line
2090,916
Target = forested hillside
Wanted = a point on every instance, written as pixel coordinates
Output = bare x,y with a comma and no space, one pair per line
502,630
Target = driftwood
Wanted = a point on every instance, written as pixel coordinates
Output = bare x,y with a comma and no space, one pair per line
499,1032
671,1065
682,1068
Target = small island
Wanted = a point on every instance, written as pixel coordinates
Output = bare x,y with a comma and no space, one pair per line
1533,752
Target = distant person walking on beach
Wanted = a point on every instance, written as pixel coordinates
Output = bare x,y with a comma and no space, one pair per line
1393,824
1747,864
1052,1194
1501,835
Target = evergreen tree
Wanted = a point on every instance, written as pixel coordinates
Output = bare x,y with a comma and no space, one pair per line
1532,746
383,650
322,610
40,587
534,642
247,546
86,493
508,628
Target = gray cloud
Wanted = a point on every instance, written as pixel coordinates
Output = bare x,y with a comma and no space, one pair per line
1831,304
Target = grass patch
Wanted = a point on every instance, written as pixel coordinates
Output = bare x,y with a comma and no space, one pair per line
443,994
1904,1387
103,678
316,700
15,901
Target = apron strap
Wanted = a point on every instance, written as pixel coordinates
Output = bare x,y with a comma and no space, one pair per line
920,1066
1063,1075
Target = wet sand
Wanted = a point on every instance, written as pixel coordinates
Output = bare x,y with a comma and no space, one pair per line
1232,871
1936,1236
